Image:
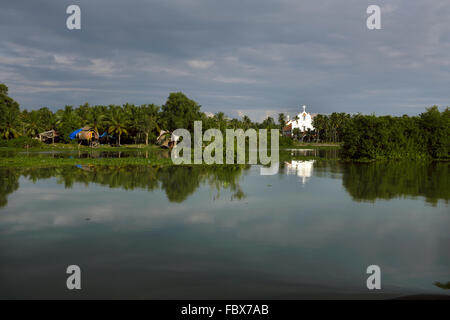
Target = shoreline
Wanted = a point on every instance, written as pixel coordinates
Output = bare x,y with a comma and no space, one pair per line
143,147
151,156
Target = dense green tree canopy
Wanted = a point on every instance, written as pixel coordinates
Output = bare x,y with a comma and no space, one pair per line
9,115
180,112
386,137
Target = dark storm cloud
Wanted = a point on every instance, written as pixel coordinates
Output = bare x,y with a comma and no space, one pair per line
241,57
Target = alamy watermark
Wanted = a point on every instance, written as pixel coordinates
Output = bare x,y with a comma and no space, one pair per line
374,280
74,280
236,140
373,22
73,21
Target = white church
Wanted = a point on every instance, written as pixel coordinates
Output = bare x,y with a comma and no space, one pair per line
303,121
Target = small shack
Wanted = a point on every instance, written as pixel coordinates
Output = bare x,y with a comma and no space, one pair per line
86,134
166,139
48,136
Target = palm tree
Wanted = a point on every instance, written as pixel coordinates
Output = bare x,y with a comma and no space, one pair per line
246,122
67,120
95,118
268,123
308,135
32,124
83,113
9,125
296,133
319,126
220,120
281,120
132,114
66,117
235,123
117,122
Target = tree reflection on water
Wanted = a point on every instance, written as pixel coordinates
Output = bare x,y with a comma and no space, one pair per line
177,181
364,182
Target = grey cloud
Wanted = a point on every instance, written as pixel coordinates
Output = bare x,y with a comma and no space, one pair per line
259,56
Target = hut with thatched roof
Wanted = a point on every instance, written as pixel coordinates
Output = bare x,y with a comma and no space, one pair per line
48,136
166,139
86,134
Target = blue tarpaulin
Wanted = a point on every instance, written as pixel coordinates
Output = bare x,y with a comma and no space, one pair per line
73,135
106,135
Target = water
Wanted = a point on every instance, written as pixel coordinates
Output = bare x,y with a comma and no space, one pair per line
309,231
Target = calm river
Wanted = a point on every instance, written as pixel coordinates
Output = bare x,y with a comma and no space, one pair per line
308,231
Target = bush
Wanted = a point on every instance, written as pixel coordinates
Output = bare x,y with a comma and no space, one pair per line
21,142
286,141
386,137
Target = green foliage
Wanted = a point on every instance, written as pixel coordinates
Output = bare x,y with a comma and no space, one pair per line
147,121
435,126
9,115
281,120
386,137
118,122
21,142
296,133
67,121
286,141
330,128
268,123
180,112
127,123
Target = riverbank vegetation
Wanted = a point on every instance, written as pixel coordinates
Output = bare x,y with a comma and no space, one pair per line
427,136
125,157
129,124
362,137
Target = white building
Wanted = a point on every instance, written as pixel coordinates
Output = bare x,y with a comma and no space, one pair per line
303,121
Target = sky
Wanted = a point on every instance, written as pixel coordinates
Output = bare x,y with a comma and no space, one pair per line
257,58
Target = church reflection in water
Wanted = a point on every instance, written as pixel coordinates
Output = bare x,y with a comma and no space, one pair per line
301,168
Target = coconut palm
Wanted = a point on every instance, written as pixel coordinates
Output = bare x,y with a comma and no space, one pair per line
221,121
9,125
95,118
117,122
247,122
66,121
32,124
281,120
132,115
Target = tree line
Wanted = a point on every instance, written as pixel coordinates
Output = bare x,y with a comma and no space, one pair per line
362,136
386,137
129,123
142,123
